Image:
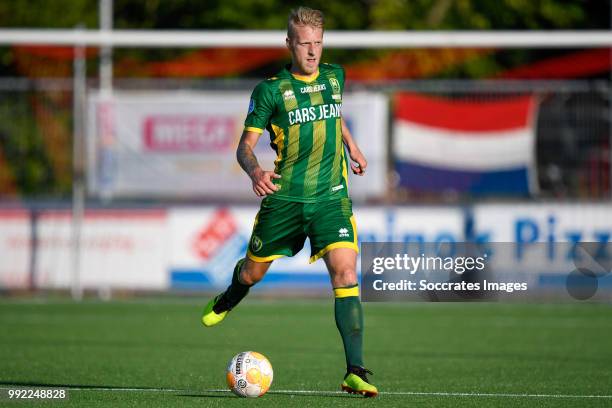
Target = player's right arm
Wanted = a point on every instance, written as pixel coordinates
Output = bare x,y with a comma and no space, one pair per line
261,108
261,179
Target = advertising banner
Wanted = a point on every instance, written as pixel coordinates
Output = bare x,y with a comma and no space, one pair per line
118,249
548,246
15,255
543,222
552,242
178,144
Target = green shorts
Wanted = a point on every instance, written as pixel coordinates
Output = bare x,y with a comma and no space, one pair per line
281,228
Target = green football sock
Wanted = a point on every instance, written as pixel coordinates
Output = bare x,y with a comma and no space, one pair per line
237,290
349,320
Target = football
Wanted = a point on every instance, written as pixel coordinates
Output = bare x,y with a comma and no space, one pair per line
249,374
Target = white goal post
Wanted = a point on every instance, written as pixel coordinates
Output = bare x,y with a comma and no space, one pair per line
333,39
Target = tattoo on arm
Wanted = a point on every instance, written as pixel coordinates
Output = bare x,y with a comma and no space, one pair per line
246,158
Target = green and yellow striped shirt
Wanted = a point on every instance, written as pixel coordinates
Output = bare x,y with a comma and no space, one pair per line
304,121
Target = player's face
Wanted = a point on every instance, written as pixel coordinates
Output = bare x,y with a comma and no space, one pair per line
306,47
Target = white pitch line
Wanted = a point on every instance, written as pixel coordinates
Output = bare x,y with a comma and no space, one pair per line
316,392
439,394
479,394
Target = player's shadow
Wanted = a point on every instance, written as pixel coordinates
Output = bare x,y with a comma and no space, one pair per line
288,393
207,395
322,395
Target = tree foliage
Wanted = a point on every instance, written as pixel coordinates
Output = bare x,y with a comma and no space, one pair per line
354,15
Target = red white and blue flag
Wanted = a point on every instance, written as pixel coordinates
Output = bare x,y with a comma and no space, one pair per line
465,146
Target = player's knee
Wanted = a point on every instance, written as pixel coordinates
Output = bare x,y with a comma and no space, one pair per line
250,277
345,277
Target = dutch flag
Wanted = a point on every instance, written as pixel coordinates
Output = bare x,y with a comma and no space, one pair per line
465,146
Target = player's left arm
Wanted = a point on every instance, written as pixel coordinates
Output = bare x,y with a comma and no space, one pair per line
358,160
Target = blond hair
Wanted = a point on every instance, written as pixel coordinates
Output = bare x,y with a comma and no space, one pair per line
304,16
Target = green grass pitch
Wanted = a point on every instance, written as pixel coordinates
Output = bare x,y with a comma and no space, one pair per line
156,353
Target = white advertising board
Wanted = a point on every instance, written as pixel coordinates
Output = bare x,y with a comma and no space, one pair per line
119,249
183,144
15,237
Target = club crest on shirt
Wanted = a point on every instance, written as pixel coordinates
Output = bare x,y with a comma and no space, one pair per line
256,243
251,106
335,85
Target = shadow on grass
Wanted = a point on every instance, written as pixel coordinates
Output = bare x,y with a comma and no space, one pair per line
229,395
208,395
